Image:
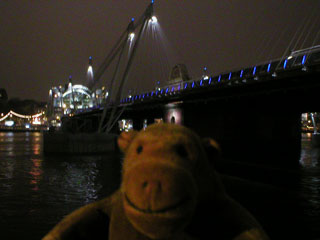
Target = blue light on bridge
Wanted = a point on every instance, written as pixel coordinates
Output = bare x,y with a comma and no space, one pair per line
152,93
152,1
254,70
136,97
230,74
172,89
201,82
157,93
132,19
179,87
219,79
269,66
161,91
241,73
210,79
186,85
143,96
167,90
192,84
285,63
304,60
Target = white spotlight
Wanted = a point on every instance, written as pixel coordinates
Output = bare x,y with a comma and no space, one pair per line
131,36
90,70
154,20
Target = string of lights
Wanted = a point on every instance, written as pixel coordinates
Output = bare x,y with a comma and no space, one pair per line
10,113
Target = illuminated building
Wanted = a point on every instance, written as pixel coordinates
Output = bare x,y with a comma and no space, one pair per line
69,99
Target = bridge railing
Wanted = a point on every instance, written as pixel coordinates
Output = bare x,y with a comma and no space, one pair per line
264,71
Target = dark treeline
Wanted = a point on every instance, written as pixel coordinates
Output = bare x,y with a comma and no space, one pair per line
26,107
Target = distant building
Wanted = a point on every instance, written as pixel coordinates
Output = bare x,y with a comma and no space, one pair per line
69,99
179,73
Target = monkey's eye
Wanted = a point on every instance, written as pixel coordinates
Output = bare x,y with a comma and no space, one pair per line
139,149
181,150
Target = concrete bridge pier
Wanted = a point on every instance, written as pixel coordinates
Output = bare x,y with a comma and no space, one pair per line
260,137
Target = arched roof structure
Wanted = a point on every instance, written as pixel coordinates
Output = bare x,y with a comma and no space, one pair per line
78,89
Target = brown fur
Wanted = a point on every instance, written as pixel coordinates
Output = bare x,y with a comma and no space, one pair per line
168,191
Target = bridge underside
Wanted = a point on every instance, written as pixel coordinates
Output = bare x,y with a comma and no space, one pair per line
247,131
258,123
249,134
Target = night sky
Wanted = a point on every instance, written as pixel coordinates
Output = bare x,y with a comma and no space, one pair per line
42,42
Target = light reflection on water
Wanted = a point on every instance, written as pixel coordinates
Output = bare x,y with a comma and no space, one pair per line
310,156
310,177
36,191
36,174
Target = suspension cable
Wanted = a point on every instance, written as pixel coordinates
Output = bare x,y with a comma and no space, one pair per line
105,109
127,69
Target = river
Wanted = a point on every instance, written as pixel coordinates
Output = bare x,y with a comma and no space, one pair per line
36,191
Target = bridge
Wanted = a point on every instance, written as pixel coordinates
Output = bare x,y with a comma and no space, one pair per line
254,112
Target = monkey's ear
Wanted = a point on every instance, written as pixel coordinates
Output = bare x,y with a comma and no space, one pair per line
125,139
212,149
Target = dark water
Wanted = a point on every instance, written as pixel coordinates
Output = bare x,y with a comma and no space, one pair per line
36,191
